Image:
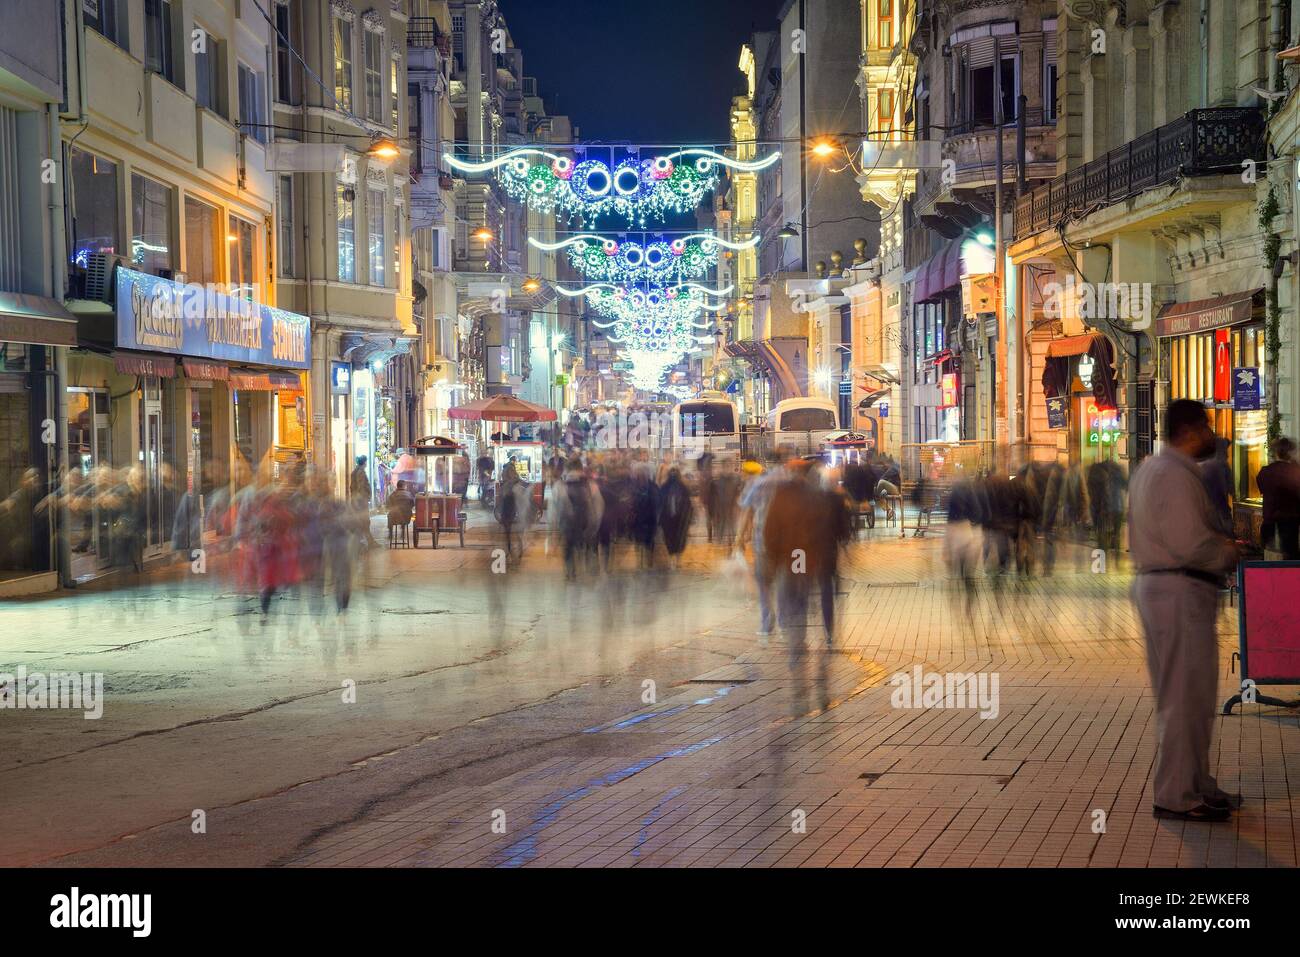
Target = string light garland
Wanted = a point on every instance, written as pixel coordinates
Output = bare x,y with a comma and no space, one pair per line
587,189
605,259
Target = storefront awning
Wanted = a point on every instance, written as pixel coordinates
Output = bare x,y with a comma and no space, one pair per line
1071,345
248,381
131,363
215,371
35,320
941,272
1202,315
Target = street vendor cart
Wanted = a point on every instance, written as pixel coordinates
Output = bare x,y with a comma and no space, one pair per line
438,508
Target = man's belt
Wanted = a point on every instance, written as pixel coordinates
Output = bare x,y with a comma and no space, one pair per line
1203,576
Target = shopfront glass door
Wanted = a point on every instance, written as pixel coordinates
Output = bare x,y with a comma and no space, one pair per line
89,458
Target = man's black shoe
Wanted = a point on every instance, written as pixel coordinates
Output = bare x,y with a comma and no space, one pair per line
1228,802
1202,812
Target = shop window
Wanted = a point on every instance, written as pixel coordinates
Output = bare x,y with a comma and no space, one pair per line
252,103
109,19
160,40
286,220
201,242
209,74
343,63
242,240
93,201
151,226
374,47
345,203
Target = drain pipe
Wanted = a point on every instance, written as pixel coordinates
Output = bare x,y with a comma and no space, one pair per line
58,241
1205,54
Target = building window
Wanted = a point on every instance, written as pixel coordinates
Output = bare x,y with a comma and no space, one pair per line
343,63
885,106
394,98
109,19
201,242
374,78
93,194
151,226
287,88
285,211
252,103
209,75
345,201
414,132
375,214
159,39
242,240
1049,71
885,24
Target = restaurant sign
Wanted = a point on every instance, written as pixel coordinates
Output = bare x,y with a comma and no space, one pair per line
190,319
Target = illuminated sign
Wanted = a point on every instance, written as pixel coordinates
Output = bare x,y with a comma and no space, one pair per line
1103,425
189,319
948,391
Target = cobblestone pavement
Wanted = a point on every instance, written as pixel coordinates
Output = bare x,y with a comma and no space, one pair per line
747,762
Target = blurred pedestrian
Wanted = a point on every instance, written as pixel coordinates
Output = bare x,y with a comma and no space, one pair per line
361,496
1279,484
675,514
755,499
1182,554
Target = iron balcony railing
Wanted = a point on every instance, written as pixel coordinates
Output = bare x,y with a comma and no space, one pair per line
424,32
1199,143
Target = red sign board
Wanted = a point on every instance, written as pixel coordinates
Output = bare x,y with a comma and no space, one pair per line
948,390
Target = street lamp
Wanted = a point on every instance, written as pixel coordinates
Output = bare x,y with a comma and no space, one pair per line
484,234
825,148
788,231
532,285
383,147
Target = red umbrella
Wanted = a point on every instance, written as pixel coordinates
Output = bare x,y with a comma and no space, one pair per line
502,408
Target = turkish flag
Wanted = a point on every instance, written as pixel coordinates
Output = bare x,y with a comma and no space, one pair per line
1222,365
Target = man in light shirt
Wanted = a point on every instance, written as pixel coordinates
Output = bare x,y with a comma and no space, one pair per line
1181,551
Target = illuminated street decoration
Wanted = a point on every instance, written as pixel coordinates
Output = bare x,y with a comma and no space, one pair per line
633,188
649,366
600,258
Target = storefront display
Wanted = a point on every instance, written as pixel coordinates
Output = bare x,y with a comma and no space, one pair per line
1203,345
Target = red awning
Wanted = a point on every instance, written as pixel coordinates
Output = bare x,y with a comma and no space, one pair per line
197,369
502,408
129,363
265,381
1071,345
941,272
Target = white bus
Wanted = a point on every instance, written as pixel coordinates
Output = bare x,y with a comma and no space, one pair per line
801,425
710,423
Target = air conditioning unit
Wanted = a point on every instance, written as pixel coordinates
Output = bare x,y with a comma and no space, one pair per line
101,280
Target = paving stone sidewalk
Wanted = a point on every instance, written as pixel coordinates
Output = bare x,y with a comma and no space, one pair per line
748,766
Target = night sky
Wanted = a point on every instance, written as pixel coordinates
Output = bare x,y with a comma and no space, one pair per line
651,73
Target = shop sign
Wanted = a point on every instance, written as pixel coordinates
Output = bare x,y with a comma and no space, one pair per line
1055,413
340,378
561,378
882,409
948,391
190,319
1246,391
1103,425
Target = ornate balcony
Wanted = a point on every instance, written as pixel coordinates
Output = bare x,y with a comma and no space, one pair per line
1199,143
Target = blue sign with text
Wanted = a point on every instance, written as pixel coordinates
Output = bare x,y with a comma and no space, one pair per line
190,319
1056,413
1246,391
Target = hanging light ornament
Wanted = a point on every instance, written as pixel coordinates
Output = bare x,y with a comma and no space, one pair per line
635,189
601,259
